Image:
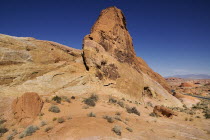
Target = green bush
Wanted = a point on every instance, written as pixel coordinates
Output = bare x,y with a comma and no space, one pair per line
54,109
57,99
91,114
117,130
133,110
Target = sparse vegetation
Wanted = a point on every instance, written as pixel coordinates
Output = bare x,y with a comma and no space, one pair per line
91,114
129,129
112,100
109,119
186,119
60,120
191,119
117,118
48,128
121,104
43,123
204,105
3,130
91,101
54,109
54,119
153,114
118,113
133,110
57,99
117,130
65,99
29,131
73,97
2,121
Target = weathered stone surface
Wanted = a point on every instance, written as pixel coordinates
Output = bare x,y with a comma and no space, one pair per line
164,111
111,34
28,106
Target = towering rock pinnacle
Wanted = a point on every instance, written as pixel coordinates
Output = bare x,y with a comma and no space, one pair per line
111,33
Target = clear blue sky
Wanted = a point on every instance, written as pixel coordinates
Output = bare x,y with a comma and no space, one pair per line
172,36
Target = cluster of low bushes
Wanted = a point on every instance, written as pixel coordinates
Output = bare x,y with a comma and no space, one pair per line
28,131
203,105
91,101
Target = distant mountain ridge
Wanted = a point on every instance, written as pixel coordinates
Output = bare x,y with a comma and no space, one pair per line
192,76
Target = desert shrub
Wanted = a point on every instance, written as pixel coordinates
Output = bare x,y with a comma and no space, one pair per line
48,128
129,129
43,123
109,119
117,118
121,104
29,131
91,114
65,99
207,114
133,110
126,119
54,109
85,107
73,97
153,114
94,97
60,120
57,99
2,121
112,100
117,130
91,101
118,113
69,118
54,119
11,136
186,119
198,117
3,130
123,99
149,104
191,119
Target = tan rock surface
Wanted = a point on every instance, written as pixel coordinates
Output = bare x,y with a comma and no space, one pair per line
27,107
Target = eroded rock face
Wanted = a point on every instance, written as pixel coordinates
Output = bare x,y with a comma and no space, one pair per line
109,34
27,107
164,111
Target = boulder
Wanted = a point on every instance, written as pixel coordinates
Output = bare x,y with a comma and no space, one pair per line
27,107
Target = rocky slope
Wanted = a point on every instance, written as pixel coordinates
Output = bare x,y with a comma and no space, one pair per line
107,61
